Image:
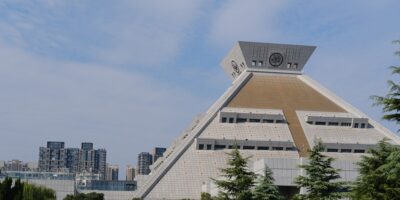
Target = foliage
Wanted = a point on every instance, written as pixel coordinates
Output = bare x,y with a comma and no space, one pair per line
265,189
24,191
238,179
88,196
391,102
205,196
379,176
319,181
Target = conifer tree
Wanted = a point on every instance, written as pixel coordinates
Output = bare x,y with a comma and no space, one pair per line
379,174
391,102
238,179
320,180
265,188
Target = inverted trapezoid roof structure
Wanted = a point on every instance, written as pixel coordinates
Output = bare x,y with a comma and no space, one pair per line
271,111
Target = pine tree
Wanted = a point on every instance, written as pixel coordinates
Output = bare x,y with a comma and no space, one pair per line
391,102
320,179
379,174
265,189
238,179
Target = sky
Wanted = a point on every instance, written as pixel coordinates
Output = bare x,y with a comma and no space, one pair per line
131,75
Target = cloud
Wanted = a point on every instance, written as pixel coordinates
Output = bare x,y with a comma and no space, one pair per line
245,20
123,33
123,111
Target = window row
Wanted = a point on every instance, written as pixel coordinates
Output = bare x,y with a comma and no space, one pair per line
348,124
243,147
251,120
345,150
260,63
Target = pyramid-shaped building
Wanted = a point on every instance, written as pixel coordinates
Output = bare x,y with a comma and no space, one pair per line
273,113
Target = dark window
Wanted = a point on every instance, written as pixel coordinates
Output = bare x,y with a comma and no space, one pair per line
223,120
241,120
320,123
230,147
345,150
209,146
268,120
356,125
332,150
362,125
279,121
230,120
254,120
219,147
345,124
253,63
277,148
295,66
262,148
333,124
359,151
290,148
201,146
309,122
248,147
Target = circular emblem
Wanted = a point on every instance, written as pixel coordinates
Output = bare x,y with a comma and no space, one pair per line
275,59
235,66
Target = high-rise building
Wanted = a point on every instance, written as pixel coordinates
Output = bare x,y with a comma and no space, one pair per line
16,165
52,158
157,152
129,173
274,114
56,158
144,161
112,172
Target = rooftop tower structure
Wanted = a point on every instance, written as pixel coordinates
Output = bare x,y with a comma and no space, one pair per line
273,113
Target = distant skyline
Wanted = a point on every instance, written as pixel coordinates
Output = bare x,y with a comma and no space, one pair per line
131,75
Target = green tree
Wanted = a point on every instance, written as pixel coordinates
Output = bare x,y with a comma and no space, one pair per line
205,196
33,192
379,174
17,190
5,189
391,102
88,196
238,179
265,189
320,180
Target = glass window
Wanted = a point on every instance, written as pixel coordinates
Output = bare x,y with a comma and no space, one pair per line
260,63
201,146
332,150
253,63
223,120
230,120
289,65
268,121
209,146
320,123
279,121
241,120
345,150
248,147
254,120
359,151
262,148
219,147
362,125
277,148
333,124
345,124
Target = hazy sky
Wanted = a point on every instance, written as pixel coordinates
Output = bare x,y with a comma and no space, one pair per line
131,75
